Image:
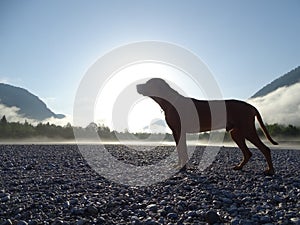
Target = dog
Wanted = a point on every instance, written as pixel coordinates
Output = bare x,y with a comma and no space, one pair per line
188,115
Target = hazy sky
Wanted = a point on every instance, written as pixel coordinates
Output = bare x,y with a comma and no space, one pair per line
47,46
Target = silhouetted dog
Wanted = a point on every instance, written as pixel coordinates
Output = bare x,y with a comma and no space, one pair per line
187,115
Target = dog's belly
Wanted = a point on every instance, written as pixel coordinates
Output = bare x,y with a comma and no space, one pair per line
204,126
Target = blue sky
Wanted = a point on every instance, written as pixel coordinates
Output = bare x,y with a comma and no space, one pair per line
47,46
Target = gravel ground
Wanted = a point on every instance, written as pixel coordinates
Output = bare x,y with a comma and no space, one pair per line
52,184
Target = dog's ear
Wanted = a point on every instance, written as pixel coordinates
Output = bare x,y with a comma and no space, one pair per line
157,82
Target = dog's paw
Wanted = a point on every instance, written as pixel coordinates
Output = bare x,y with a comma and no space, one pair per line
269,172
183,168
237,167
180,167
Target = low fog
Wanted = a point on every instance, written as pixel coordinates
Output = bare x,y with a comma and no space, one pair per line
281,106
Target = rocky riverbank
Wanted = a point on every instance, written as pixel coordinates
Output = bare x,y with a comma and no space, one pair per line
53,184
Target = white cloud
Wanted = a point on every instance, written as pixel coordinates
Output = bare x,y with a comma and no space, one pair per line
60,122
281,106
12,115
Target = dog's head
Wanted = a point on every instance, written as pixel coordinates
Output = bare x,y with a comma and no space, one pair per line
154,87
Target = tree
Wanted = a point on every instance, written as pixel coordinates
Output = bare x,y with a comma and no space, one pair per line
3,120
4,129
291,131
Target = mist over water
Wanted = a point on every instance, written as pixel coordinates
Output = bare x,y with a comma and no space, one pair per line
283,144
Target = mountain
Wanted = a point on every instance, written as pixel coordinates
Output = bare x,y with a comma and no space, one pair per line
29,105
286,80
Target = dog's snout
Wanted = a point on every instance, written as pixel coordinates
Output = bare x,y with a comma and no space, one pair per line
139,88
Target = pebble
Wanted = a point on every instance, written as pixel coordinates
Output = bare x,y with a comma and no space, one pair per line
32,222
125,213
212,217
7,222
52,184
235,221
278,198
57,222
101,220
265,219
91,210
226,200
82,222
246,222
22,222
172,216
152,207
296,221
5,198
150,221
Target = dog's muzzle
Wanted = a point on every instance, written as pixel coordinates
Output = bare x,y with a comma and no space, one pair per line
140,88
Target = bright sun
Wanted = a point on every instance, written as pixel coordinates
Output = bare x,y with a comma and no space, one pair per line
120,107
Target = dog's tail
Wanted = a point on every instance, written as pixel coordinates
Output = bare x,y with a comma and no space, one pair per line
263,127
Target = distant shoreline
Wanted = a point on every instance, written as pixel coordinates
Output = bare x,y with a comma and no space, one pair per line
282,144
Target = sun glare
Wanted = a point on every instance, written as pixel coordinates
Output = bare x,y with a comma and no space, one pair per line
142,114
120,107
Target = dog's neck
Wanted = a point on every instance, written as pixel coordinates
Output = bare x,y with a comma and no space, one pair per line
166,104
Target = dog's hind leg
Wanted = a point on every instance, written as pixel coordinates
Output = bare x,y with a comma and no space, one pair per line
239,139
254,139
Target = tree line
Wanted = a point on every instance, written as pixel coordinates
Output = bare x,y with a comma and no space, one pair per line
17,130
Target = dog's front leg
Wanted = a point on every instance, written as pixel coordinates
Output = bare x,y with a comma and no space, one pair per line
180,139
